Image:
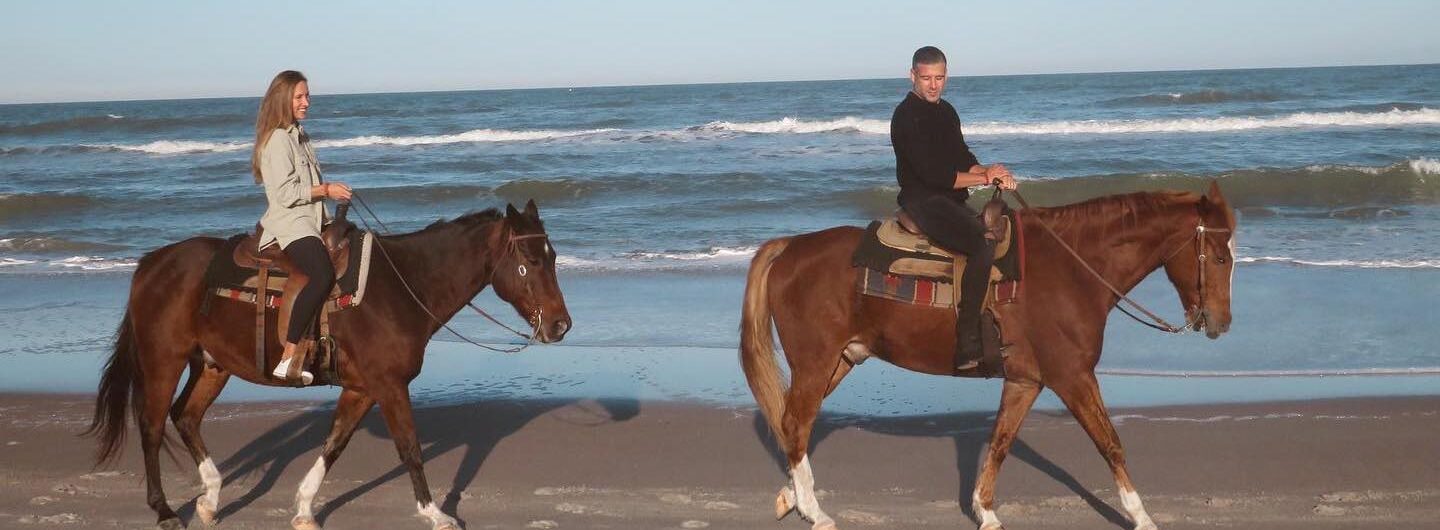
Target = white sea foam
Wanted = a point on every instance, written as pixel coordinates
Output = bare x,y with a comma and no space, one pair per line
1425,166
475,136
1392,118
175,147
93,263
711,258
11,262
1347,263
798,126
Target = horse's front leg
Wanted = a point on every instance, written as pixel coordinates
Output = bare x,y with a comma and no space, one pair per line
350,409
399,418
1082,397
1015,402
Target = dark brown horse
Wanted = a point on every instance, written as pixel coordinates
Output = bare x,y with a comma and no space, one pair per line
806,287
383,340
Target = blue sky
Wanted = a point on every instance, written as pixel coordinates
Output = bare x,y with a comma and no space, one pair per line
87,50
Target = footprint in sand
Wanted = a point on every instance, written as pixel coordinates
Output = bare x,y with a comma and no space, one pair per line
570,507
694,524
859,517
943,504
61,518
675,498
721,505
543,523
42,500
1328,510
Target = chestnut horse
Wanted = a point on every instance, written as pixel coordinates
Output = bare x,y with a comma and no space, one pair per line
383,340
805,285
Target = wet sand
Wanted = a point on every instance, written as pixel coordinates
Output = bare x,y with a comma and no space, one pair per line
630,464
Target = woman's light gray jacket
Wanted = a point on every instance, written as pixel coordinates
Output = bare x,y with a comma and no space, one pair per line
288,169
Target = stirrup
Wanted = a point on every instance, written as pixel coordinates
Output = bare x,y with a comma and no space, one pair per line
282,371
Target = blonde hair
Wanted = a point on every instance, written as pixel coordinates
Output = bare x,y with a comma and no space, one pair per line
275,113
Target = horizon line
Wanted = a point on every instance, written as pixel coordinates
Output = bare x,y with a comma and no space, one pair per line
649,85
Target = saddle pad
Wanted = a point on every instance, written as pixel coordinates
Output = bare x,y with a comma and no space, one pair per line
227,280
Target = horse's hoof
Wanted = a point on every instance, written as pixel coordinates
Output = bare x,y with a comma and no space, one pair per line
207,514
448,526
304,522
171,524
827,525
784,502
992,526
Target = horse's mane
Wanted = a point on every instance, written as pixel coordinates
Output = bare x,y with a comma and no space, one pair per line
467,220
1129,208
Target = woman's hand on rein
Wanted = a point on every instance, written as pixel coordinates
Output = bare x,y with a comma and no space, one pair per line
337,190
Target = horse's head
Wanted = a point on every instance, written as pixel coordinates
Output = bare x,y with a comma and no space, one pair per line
525,274
1203,266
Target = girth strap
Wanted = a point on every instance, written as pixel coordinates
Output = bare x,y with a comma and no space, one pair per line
260,370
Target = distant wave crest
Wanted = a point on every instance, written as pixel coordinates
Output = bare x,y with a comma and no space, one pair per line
712,258
475,136
797,126
1391,118
1200,97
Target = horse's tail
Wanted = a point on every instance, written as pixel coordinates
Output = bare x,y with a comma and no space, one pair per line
118,391
757,340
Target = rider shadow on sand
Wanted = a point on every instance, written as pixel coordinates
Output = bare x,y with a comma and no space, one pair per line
970,433
477,427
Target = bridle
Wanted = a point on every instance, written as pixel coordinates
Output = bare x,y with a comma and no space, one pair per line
1198,311
510,247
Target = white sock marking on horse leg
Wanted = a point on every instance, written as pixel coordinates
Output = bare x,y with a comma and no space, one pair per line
309,487
1131,501
805,500
211,477
437,518
988,519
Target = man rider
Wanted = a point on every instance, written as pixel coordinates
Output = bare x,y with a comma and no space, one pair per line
934,167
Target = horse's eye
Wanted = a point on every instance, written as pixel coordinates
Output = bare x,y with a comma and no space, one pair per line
1220,259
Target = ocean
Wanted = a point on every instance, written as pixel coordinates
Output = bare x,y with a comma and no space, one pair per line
655,198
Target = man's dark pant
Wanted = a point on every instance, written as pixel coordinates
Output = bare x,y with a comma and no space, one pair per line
954,226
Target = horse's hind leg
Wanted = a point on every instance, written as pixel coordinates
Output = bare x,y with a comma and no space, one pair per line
162,370
203,386
1015,402
348,412
802,405
1082,397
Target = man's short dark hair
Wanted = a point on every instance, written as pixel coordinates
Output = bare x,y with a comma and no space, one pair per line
927,55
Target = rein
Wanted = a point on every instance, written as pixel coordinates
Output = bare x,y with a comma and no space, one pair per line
509,246
1159,323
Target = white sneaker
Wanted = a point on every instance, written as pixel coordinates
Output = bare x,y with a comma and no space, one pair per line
284,368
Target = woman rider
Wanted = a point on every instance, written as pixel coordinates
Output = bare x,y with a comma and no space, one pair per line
284,162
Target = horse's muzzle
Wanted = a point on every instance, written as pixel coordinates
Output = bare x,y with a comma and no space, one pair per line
554,331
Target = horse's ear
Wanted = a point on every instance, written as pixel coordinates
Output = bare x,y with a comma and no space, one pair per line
1214,192
511,212
530,210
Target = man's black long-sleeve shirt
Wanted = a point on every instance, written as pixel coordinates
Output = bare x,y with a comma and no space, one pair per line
929,149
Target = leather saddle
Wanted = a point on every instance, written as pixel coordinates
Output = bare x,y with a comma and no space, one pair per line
275,271
901,233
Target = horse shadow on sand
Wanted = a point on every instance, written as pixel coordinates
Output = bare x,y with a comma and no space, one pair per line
475,427
971,435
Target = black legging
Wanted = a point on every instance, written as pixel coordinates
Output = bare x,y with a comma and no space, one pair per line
309,254
956,227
